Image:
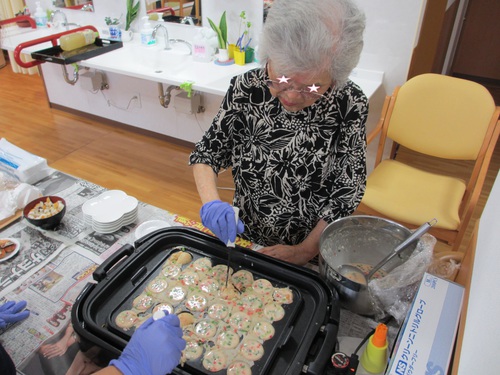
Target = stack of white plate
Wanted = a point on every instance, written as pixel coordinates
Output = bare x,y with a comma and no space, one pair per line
110,211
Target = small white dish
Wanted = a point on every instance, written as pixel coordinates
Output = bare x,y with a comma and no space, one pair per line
12,253
150,226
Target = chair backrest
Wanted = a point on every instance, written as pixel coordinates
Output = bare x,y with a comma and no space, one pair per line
441,116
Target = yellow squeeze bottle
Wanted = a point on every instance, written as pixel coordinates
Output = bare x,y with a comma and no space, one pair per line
374,358
77,39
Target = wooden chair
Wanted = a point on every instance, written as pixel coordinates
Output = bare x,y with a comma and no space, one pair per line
443,118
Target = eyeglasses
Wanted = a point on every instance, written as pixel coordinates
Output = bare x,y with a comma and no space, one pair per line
311,92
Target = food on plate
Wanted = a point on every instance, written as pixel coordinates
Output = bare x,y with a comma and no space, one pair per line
227,325
214,361
274,311
251,349
251,302
126,319
239,368
7,246
170,271
163,307
227,339
263,330
193,351
209,286
45,209
218,310
241,321
180,258
262,286
189,278
206,329
242,280
157,285
283,295
176,294
196,302
143,302
201,265
186,319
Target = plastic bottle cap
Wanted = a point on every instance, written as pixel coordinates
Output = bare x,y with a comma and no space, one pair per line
380,336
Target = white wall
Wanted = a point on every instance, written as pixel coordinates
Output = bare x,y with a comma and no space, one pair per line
392,27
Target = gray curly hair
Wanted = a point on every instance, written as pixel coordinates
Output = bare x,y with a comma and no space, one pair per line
301,36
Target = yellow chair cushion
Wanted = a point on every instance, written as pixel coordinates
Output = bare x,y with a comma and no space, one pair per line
408,194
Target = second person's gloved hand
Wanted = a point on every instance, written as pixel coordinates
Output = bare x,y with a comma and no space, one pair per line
12,312
218,216
154,349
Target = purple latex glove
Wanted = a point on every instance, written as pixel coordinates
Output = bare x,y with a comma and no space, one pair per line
218,216
11,312
154,349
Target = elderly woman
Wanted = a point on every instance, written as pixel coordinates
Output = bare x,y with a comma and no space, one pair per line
293,133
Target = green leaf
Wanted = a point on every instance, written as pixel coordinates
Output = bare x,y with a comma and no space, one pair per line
132,12
223,29
217,31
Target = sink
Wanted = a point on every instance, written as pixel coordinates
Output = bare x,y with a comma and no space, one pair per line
161,60
139,60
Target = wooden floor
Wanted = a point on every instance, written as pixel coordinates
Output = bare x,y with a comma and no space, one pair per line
153,170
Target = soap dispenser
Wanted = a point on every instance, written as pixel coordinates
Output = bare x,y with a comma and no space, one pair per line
40,16
147,33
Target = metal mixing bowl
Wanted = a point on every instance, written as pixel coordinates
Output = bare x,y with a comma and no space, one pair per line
361,241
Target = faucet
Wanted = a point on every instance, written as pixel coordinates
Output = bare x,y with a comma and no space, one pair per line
54,15
88,8
188,19
167,40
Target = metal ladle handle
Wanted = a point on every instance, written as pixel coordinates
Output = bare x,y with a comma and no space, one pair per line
419,232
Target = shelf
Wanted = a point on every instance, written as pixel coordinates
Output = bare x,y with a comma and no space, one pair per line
57,55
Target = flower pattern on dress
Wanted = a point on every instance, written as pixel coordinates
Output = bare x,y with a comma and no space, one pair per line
290,169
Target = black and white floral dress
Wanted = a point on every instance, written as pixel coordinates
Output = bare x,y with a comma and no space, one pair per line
290,169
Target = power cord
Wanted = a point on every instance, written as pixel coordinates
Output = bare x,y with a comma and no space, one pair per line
343,364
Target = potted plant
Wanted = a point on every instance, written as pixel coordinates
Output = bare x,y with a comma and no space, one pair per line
132,12
114,27
221,31
244,40
243,52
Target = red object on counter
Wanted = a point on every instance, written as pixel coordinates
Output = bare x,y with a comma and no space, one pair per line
51,38
18,19
162,10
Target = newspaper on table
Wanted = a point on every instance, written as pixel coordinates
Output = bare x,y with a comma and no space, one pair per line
50,271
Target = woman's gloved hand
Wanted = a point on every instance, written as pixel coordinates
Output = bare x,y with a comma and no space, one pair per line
219,217
12,312
154,349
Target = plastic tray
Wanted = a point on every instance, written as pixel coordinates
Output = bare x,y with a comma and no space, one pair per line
58,56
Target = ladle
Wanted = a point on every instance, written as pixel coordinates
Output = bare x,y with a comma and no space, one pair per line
356,275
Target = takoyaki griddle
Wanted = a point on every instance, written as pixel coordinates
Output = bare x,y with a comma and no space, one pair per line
304,340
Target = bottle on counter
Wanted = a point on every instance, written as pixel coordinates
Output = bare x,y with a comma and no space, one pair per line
147,33
40,16
77,39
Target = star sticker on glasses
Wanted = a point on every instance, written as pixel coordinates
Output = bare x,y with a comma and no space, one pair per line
313,88
283,79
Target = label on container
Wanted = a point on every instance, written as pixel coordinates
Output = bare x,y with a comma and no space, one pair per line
115,33
147,40
89,36
41,21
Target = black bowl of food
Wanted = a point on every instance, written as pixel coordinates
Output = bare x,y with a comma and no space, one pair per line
45,212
